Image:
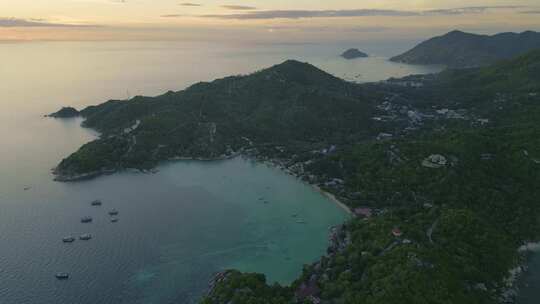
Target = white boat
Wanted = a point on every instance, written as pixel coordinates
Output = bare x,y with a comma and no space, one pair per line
68,239
85,237
62,275
86,219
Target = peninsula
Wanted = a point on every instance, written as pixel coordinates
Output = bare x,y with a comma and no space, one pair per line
65,112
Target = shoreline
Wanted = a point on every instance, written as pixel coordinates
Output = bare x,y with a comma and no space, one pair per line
515,273
315,187
95,174
333,198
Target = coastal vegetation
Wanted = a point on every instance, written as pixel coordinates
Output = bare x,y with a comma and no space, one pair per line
442,171
288,103
446,234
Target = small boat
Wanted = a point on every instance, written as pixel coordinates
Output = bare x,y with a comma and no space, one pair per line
113,212
96,203
114,219
86,219
62,275
85,237
68,239
27,188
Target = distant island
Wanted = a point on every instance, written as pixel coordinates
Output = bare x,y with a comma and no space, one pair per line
458,49
353,54
65,112
441,171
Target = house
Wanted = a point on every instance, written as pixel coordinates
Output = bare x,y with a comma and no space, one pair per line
435,161
307,290
397,232
363,212
486,156
383,136
334,182
483,121
442,111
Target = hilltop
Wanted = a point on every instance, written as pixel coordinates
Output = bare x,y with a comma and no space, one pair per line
458,49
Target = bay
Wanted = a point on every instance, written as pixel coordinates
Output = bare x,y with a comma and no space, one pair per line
176,227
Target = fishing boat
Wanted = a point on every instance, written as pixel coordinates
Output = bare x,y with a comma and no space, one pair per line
96,203
68,239
85,237
86,219
62,275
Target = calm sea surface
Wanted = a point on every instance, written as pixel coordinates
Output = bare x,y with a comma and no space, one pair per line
177,227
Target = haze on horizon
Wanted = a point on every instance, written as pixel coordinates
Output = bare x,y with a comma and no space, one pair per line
258,20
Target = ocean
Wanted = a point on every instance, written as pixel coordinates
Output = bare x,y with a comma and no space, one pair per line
176,227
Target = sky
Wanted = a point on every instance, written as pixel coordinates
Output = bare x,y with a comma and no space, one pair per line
259,20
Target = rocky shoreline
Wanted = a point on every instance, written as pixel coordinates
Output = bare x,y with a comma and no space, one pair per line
339,239
511,290
75,177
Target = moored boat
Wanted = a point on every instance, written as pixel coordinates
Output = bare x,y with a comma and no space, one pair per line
86,219
113,212
68,239
96,203
85,237
62,275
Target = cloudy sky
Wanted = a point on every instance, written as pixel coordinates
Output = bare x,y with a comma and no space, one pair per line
259,20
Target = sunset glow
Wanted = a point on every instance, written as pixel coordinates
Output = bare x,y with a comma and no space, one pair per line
256,20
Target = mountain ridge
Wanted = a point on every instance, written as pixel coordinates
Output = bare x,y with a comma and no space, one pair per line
458,49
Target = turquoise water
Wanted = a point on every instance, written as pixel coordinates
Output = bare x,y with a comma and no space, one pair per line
529,292
177,227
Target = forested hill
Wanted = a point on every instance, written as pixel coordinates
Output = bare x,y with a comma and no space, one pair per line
458,49
441,170
290,101
441,211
